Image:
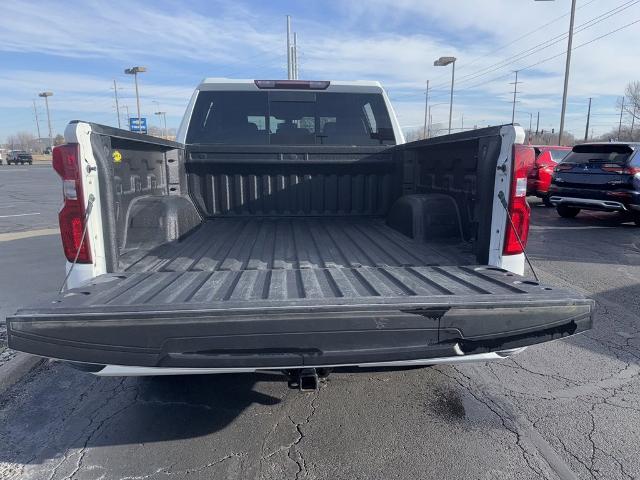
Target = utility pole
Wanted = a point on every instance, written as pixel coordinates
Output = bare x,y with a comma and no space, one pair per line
586,130
462,124
620,124
35,112
633,121
46,96
530,125
115,92
426,110
289,69
566,71
515,94
538,124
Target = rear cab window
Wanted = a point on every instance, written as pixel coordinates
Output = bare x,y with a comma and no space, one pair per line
290,118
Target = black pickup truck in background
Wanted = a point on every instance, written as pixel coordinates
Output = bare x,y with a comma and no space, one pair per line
19,157
291,228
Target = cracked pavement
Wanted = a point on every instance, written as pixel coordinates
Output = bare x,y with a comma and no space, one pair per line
568,409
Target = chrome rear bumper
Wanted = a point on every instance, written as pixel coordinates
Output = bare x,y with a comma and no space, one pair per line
588,203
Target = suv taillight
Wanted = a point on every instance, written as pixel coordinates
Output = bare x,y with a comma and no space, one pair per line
66,163
619,169
518,206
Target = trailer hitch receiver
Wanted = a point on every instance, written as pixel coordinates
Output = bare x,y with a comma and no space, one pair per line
305,380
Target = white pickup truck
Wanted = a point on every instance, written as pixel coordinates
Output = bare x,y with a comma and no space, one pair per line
290,227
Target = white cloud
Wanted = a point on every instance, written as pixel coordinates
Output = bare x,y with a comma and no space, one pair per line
394,41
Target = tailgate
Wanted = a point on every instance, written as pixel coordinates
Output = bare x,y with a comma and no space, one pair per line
264,319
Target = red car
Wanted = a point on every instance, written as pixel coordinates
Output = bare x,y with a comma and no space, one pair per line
539,178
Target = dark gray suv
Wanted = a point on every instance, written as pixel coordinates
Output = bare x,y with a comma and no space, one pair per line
598,176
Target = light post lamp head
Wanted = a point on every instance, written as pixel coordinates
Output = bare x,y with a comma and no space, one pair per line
134,70
444,61
45,94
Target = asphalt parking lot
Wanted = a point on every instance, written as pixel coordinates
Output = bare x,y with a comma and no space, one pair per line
564,410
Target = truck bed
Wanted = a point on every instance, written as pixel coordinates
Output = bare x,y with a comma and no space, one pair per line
266,258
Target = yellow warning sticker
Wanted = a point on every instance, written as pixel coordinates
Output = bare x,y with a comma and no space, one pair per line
117,156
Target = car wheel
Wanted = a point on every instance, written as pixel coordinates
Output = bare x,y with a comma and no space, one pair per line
547,201
567,212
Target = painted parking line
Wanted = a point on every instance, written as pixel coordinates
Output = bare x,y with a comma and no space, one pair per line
19,215
7,237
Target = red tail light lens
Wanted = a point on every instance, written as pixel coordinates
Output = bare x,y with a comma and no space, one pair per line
619,169
564,167
66,163
518,206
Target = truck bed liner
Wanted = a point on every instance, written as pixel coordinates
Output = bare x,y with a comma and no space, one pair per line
291,243
295,258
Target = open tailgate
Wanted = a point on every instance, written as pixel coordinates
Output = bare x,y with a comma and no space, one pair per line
278,319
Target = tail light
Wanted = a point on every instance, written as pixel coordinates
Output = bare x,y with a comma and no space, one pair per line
619,169
518,207
66,163
564,167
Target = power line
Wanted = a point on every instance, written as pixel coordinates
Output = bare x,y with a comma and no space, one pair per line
611,32
543,45
529,33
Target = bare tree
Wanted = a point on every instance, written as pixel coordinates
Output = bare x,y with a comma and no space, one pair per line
22,141
632,99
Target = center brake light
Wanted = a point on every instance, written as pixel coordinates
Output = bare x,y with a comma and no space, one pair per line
66,163
293,84
519,209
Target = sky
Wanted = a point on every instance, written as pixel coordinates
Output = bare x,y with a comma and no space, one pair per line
76,49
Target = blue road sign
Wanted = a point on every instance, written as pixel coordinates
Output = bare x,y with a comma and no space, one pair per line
139,127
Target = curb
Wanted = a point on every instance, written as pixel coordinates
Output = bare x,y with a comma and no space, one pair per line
16,368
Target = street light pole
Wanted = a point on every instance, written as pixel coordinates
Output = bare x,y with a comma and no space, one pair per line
134,71
426,104
289,69
126,107
164,118
443,62
566,71
453,76
46,96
